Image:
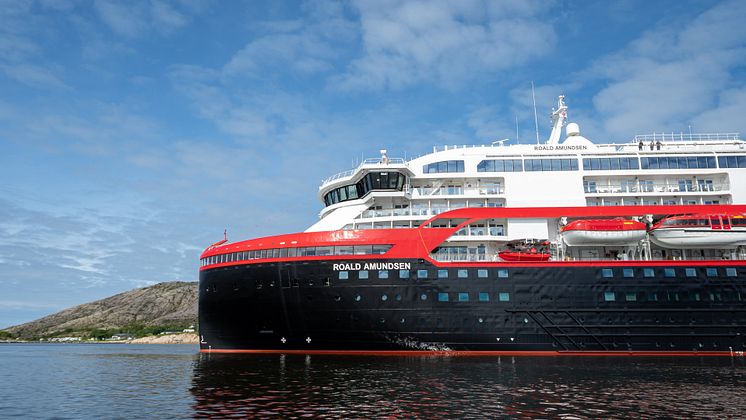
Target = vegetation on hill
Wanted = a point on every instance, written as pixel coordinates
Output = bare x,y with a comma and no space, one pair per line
170,306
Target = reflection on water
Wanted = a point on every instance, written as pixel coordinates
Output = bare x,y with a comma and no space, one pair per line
333,386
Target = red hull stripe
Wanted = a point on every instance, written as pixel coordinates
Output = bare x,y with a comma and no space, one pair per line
480,353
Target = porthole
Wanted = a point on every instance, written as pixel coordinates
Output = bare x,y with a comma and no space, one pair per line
398,297
423,297
358,298
381,321
384,297
401,320
337,298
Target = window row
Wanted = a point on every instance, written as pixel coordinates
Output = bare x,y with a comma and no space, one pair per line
372,181
466,296
536,165
444,167
669,162
500,165
732,161
607,164
671,272
691,296
308,251
460,273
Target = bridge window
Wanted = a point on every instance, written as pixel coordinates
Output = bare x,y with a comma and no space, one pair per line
445,166
390,180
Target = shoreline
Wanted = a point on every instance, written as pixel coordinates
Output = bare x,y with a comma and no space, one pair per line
180,338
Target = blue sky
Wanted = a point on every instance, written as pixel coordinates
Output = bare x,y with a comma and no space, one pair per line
133,133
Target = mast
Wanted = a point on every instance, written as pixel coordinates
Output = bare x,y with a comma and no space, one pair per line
559,116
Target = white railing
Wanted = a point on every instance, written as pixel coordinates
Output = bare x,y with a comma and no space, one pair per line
658,188
369,161
645,138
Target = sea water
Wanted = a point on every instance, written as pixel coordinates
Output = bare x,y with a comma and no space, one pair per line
175,381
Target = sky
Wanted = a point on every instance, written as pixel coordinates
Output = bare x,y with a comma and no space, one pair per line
132,133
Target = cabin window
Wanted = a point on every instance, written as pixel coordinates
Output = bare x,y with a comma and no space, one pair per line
690,272
607,272
484,297
630,297
383,274
712,272
463,297
628,272
482,273
694,296
421,274
362,274
504,297
344,275
442,274
669,272
502,273
652,297
403,274
609,296
463,273
648,272
731,272
442,297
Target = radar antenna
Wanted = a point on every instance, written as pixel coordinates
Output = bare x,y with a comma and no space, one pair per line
559,116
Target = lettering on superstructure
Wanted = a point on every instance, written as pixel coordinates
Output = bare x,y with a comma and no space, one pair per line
560,147
372,266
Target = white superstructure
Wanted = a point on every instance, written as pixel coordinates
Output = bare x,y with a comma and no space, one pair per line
657,169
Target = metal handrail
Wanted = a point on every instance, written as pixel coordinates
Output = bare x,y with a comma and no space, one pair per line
369,161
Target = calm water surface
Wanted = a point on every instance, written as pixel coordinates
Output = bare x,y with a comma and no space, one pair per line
173,381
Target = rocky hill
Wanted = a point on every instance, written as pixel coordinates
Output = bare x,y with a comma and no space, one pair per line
143,311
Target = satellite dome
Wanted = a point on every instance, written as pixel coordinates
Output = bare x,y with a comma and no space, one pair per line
573,129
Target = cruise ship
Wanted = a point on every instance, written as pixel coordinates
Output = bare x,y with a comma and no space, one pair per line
565,247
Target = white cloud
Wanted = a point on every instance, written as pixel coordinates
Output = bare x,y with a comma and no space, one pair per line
674,75
136,20
446,42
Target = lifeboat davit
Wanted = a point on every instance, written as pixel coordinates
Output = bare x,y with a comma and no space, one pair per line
603,232
700,231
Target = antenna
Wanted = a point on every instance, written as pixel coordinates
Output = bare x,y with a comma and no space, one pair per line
536,119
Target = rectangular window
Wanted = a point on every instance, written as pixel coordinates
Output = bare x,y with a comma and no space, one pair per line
502,273
362,274
463,297
403,274
443,297
383,274
609,296
630,296
344,275
731,272
442,274
712,272
690,272
482,273
421,274
504,297
653,297
628,272
484,297
463,273
669,272
607,272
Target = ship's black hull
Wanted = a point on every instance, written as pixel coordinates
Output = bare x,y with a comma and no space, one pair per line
305,306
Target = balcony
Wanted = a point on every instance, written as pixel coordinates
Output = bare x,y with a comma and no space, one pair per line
649,187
